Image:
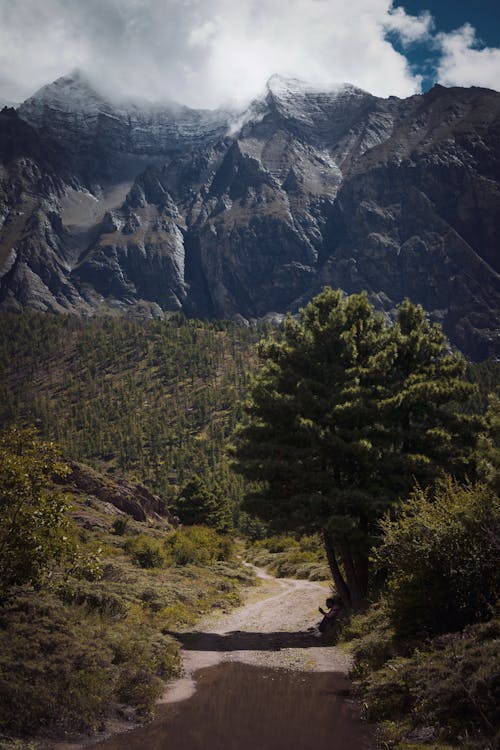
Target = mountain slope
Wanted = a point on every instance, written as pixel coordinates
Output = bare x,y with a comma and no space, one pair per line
109,206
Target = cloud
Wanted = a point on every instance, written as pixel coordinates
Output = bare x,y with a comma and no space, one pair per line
465,63
205,52
410,28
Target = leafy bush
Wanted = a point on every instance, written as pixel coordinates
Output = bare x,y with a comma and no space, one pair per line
197,545
373,641
145,552
454,685
54,670
278,544
441,557
140,689
120,525
34,523
93,598
61,670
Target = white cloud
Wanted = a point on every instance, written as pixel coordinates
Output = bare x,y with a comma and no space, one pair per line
464,63
204,52
410,28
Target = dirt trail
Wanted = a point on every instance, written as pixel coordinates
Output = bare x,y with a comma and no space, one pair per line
238,699
269,630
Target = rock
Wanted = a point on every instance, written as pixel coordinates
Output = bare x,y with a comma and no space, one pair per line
133,499
243,215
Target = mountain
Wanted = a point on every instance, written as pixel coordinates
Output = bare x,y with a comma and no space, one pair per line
119,206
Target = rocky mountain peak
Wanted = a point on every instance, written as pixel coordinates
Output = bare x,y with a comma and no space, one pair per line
72,93
108,206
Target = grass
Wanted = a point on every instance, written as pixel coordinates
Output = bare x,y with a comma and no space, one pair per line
447,685
82,651
291,557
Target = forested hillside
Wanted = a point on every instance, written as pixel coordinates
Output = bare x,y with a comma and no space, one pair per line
153,399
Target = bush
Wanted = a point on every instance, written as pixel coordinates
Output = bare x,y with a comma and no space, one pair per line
288,557
140,689
93,598
197,545
120,525
54,672
440,555
372,639
34,522
145,552
454,685
63,671
279,543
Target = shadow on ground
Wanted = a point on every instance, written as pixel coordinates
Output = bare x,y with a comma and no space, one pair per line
239,640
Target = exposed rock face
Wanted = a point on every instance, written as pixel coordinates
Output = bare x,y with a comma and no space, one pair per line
219,214
133,499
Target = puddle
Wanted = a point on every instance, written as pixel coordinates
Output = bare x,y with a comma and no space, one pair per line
241,707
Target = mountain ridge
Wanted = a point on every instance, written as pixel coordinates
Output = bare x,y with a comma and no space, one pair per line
244,214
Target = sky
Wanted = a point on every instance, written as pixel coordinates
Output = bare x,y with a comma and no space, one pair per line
210,53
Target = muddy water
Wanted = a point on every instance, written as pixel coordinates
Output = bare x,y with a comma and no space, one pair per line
242,707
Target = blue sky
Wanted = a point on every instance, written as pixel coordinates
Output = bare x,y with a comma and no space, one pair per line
210,53
448,16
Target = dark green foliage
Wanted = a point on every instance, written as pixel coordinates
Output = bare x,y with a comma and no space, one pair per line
54,671
489,445
34,522
441,558
372,639
453,685
346,413
421,657
197,504
154,399
68,656
120,525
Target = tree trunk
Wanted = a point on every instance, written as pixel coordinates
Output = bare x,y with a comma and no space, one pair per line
356,590
338,578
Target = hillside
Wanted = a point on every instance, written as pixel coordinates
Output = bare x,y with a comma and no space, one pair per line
85,647
155,400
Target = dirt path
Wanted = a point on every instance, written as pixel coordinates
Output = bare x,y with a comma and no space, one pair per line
256,677
269,630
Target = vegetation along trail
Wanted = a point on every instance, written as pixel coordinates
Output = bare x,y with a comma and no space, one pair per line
257,678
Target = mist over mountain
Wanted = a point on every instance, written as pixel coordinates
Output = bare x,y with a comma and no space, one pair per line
156,208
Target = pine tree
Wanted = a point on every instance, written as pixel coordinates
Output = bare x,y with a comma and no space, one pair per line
197,504
346,412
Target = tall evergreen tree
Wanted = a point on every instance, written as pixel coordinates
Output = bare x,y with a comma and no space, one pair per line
346,413
197,504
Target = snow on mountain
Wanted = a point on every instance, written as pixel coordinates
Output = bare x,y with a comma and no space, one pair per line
71,106
226,214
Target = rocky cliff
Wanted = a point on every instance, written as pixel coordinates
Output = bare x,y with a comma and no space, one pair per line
120,206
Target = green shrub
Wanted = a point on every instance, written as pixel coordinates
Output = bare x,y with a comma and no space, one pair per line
373,642
197,545
454,685
54,671
120,525
441,558
35,527
94,598
387,692
278,543
145,552
140,689
288,557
